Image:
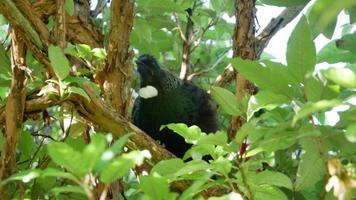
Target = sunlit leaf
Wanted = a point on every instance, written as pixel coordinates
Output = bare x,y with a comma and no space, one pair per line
301,53
59,62
226,99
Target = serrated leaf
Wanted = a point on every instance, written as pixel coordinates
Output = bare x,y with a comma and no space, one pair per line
226,100
311,168
80,91
154,186
301,53
59,62
264,99
69,6
344,77
310,108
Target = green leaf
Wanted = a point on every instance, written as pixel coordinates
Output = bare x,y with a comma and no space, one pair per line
157,7
120,166
191,167
222,165
315,90
284,3
273,178
68,189
268,192
264,99
93,151
79,91
24,176
154,186
167,167
99,53
310,108
323,15
244,131
330,53
311,168
52,172
351,132
65,155
110,154
59,62
348,42
226,100
301,53
263,74
26,145
191,134
344,77
4,61
69,6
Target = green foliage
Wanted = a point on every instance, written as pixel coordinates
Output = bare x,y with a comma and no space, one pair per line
59,62
302,116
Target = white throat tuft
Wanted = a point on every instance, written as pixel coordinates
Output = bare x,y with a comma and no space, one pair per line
148,92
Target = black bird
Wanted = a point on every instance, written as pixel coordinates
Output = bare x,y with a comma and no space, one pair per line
164,99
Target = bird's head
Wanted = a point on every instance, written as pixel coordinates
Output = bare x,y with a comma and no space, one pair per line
149,70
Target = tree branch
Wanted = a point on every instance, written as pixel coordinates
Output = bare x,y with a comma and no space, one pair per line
14,109
187,44
118,68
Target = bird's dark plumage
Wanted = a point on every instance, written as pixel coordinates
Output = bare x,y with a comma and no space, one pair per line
177,101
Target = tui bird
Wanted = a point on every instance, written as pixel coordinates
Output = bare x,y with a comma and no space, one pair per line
163,99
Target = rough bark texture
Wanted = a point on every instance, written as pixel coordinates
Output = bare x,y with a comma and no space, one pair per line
243,47
118,70
14,109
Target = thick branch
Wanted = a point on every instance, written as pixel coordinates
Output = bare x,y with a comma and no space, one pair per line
243,47
14,108
79,30
9,9
118,70
269,31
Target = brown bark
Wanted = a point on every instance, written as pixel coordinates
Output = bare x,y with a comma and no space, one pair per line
80,29
118,69
243,47
14,109
60,26
187,44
